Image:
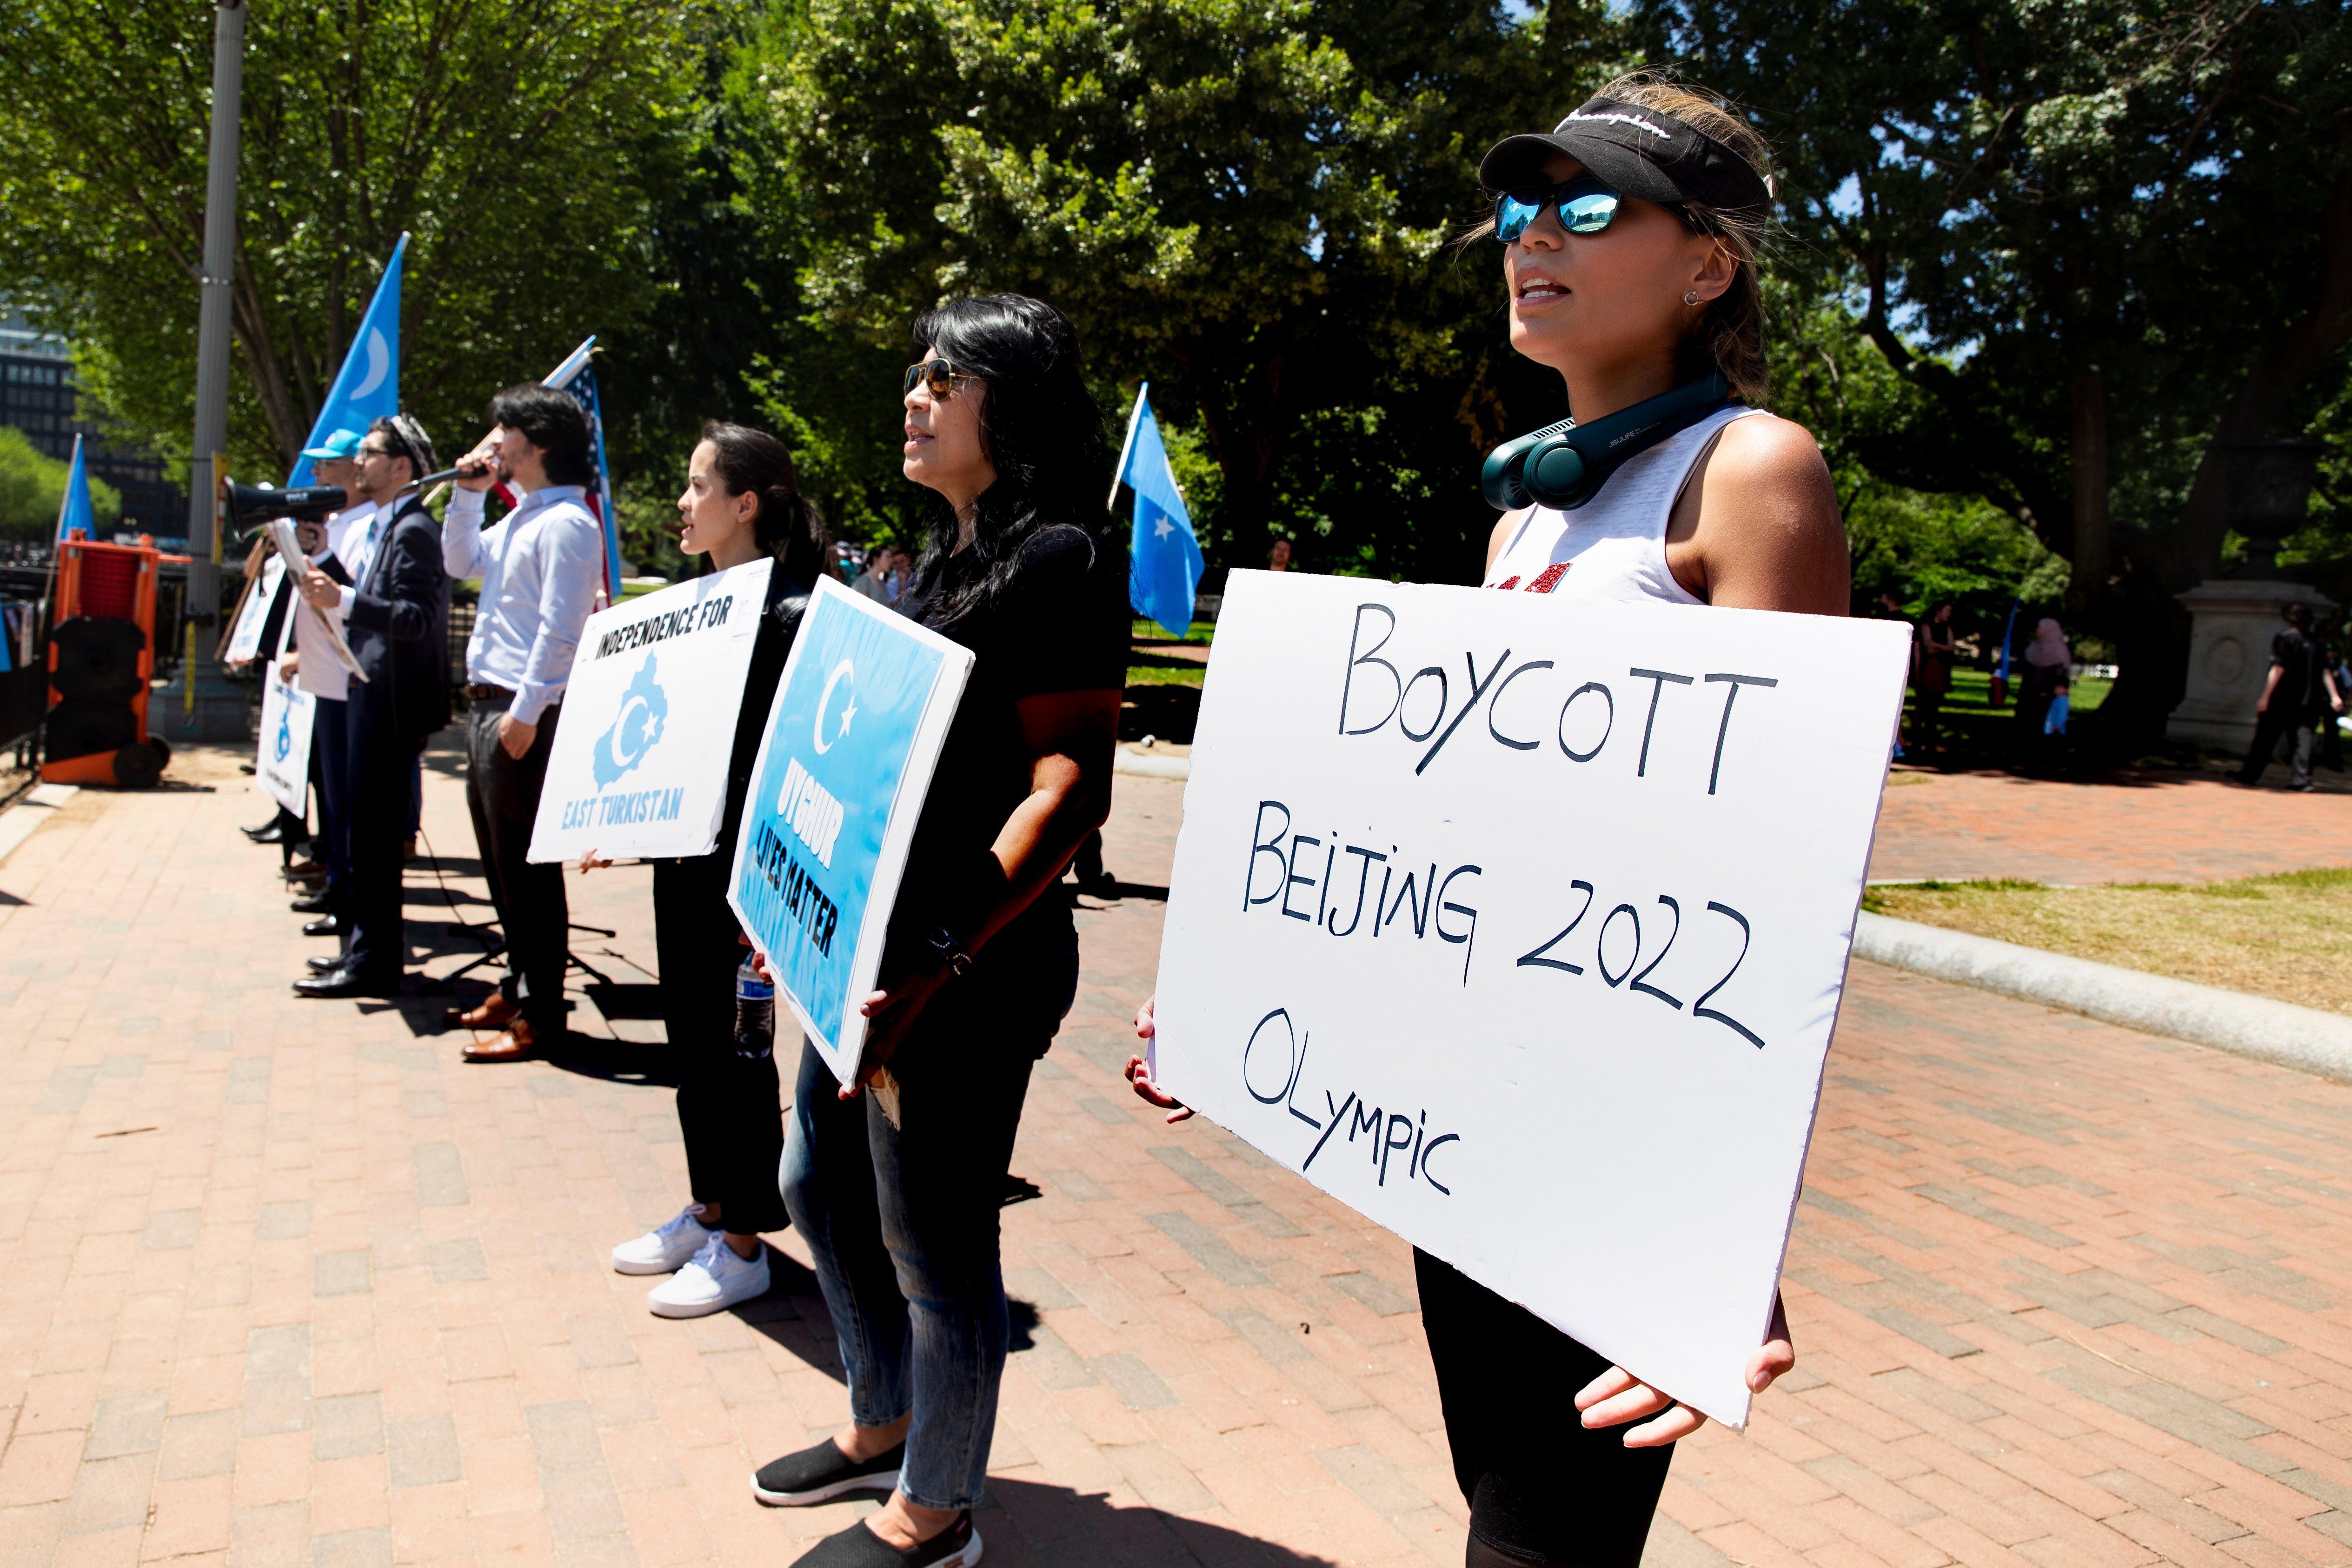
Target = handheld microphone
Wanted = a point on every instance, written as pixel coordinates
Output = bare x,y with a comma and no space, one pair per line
1565,465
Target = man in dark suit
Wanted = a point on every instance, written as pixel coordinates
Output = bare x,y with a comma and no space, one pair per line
398,628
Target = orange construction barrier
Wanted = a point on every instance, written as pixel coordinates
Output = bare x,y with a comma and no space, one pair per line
101,654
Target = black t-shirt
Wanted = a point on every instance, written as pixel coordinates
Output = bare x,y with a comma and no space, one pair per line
1061,624
2297,657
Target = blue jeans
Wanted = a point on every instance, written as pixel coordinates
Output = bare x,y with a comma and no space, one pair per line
902,1222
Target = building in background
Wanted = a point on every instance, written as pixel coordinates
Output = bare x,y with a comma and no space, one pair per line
38,397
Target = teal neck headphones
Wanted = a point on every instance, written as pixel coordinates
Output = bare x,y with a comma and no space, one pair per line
1565,465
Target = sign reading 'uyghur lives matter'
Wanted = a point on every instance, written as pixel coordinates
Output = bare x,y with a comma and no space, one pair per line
639,765
852,740
1521,927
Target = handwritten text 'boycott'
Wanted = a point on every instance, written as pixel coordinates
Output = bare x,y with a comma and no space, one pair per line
1376,693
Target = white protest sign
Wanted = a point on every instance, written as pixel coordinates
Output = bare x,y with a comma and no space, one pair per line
245,642
1521,927
854,734
282,760
639,765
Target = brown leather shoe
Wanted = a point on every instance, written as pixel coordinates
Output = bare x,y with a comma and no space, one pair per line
517,1044
306,871
496,1011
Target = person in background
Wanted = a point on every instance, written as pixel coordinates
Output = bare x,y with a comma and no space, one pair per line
541,569
396,610
2331,732
899,1205
878,581
316,669
1278,558
2297,691
1931,676
1890,608
2048,662
742,500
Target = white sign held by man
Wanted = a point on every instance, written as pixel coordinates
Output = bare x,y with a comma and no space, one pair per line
853,736
1521,926
244,641
639,764
282,760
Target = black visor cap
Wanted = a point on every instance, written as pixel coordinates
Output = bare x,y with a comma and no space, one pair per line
1638,151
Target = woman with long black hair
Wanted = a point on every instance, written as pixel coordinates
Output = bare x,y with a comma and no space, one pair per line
898,1203
741,501
1630,235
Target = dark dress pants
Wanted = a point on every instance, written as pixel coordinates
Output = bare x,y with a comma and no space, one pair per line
376,938
330,737
2279,722
1541,1487
726,1104
503,793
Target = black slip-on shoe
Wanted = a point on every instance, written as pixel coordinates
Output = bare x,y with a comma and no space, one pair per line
325,925
342,981
957,1546
821,1473
311,904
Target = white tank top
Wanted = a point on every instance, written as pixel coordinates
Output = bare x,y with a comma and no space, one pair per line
1614,546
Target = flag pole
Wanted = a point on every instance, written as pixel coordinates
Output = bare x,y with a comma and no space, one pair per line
1126,447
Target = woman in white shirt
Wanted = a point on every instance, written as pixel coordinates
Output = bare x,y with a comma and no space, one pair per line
1630,235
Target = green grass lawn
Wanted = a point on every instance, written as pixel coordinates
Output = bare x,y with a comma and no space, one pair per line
1201,635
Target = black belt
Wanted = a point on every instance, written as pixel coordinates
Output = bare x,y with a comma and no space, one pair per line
479,692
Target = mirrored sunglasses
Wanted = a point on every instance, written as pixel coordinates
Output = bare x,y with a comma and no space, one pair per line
1585,205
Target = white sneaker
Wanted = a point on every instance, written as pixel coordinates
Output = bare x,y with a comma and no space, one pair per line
713,1282
667,1249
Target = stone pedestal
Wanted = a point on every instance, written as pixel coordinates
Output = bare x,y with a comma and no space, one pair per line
2229,657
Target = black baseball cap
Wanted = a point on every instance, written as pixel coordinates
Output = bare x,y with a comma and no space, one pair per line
1640,151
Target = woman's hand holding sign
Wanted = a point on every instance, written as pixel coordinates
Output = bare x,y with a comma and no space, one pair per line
1138,1071
1617,1396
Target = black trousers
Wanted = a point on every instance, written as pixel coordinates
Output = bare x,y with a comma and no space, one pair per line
1541,1488
375,819
728,1105
502,794
2270,727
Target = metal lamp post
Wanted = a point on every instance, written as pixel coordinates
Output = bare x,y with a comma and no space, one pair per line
220,708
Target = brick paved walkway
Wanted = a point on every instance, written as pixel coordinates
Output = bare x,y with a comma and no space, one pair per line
284,1282
2131,827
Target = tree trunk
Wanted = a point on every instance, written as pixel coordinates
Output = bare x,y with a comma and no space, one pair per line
2087,458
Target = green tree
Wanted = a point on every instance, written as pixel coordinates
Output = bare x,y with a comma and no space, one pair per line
33,488
1247,206
2105,244
522,154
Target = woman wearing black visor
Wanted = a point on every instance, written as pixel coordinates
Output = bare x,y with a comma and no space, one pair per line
1629,235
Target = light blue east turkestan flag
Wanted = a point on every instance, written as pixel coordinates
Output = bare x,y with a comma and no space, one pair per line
74,511
1163,565
368,389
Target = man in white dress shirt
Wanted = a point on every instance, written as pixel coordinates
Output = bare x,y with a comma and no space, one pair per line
542,572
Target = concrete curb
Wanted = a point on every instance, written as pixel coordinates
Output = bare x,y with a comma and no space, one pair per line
2301,1038
18,822
1143,765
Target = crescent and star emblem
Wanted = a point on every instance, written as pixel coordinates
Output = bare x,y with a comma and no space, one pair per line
842,672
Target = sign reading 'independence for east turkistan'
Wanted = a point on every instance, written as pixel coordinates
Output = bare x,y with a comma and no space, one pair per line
639,765
851,739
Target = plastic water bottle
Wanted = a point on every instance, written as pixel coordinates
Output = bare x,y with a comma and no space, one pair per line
755,1014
